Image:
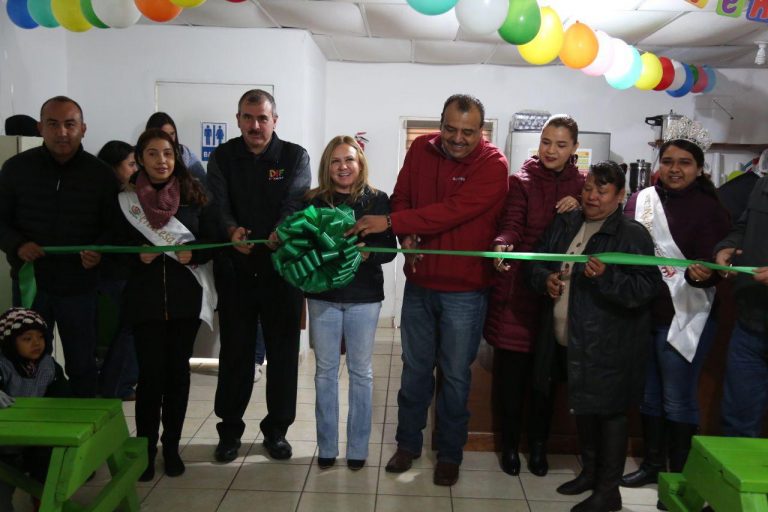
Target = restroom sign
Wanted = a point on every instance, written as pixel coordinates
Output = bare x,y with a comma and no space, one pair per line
212,135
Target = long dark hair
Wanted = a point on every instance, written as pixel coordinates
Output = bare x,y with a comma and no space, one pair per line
160,119
192,190
703,180
114,152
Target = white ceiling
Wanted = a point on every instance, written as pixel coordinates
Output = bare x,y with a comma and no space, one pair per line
391,31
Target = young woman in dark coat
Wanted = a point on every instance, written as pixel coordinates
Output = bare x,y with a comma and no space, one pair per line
600,315
167,294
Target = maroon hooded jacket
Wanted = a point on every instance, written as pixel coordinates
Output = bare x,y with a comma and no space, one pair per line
513,309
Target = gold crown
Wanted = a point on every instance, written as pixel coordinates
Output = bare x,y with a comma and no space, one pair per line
690,130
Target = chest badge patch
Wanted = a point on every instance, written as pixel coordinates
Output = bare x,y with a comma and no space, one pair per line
276,174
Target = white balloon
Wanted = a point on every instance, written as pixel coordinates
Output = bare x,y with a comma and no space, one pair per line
604,57
679,80
622,61
481,16
116,13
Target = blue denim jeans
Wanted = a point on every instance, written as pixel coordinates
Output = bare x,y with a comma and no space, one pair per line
671,382
75,316
438,329
328,321
745,395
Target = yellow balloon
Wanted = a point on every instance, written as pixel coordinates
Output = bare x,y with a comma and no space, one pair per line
69,15
188,3
652,72
545,47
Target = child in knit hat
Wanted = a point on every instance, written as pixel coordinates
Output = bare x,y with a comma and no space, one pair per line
26,370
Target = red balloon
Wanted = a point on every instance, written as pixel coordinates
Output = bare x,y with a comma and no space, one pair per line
667,74
702,82
236,1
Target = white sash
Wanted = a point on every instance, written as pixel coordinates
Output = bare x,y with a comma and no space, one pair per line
692,305
173,233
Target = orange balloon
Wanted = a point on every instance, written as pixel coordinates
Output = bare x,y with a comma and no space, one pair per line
158,10
580,46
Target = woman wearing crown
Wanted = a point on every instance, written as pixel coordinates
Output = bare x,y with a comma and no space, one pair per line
686,220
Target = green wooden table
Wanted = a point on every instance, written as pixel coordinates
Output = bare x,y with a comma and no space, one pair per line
728,473
83,435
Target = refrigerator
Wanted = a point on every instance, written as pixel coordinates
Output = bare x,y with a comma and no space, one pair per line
11,145
522,144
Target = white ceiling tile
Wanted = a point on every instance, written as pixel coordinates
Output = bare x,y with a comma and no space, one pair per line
760,33
220,13
712,55
700,29
677,5
507,55
402,22
630,26
492,38
451,52
317,16
365,49
326,45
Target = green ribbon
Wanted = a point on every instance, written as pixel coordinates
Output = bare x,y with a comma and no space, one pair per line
315,256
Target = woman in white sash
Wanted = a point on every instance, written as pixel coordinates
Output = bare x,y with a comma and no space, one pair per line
686,219
167,294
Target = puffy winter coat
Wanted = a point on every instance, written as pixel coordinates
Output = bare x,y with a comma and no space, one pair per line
609,319
513,310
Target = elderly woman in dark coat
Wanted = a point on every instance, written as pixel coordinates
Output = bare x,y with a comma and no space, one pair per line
596,325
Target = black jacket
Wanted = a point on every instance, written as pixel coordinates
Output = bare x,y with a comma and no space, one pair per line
165,289
49,203
609,322
368,284
750,234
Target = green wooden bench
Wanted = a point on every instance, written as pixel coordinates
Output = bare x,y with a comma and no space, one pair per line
83,434
728,473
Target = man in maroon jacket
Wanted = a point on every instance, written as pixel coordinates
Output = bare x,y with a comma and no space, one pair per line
448,196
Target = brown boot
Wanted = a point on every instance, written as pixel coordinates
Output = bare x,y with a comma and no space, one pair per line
446,473
401,461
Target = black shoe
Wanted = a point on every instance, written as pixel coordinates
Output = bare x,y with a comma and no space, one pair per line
537,459
355,464
578,485
149,473
660,506
326,462
278,447
174,466
226,451
600,502
646,474
510,462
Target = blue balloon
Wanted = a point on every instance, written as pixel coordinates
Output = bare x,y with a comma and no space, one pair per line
432,7
687,85
19,14
631,76
712,79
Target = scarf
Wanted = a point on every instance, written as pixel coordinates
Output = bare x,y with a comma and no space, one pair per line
159,205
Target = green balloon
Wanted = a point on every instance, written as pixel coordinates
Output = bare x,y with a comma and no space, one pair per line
522,23
695,72
87,7
41,12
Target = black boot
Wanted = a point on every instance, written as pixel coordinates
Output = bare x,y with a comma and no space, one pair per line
680,437
149,473
174,466
510,461
587,426
655,454
611,454
537,458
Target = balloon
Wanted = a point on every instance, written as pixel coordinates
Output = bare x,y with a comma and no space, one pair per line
652,72
580,46
680,75
94,20
41,12
481,16
116,13
622,61
236,1
188,3
522,23
69,14
432,7
667,74
712,79
687,84
545,47
604,57
635,68
158,10
19,14
702,80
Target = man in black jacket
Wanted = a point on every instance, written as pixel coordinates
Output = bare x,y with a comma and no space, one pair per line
58,194
258,180
745,394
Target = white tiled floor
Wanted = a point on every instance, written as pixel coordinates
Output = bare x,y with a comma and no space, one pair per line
254,482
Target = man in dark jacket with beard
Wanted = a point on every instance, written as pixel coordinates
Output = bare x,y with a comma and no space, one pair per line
597,328
58,194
